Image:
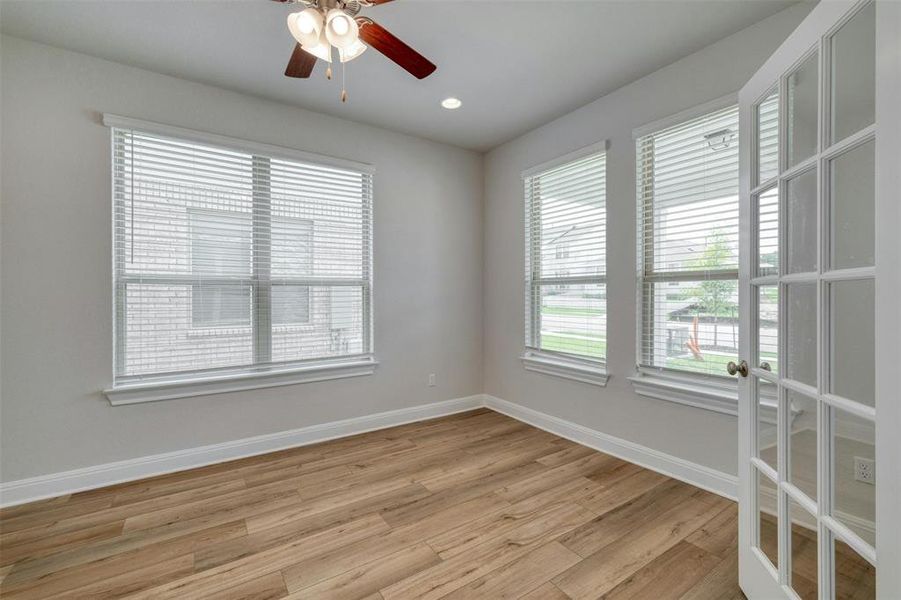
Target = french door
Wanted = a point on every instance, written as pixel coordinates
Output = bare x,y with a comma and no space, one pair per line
810,270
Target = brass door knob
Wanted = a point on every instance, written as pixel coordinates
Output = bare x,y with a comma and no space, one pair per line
741,368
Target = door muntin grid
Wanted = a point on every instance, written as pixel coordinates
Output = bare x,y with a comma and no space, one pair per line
791,495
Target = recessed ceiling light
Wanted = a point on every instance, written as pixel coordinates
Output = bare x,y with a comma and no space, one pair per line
451,103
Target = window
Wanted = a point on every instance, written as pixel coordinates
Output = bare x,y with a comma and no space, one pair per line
566,314
218,234
231,262
687,183
214,236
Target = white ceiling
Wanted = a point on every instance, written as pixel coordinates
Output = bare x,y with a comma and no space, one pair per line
515,64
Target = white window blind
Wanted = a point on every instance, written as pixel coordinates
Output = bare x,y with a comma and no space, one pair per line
566,248
230,261
687,184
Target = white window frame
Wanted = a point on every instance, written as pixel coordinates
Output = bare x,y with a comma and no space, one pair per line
593,372
709,392
254,377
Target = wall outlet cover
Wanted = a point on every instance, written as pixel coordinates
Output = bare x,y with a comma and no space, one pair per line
865,470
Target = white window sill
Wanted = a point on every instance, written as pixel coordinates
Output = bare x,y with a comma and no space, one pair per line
700,392
567,369
152,391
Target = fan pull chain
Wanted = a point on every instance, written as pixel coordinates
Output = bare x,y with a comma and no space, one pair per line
328,64
343,85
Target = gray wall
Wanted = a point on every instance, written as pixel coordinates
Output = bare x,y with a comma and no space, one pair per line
696,435
56,296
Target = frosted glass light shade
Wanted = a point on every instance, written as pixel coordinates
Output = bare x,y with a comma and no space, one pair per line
306,26
340,29
321,49
352,51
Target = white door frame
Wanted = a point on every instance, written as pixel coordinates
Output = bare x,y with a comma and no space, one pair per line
888,292
756,578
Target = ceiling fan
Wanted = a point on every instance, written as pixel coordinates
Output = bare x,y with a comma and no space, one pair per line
327,25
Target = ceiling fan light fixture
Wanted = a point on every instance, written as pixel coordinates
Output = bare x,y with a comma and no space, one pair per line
326,24
340,29
306,26
352,51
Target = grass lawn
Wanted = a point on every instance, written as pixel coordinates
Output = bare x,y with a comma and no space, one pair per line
566,310
590,348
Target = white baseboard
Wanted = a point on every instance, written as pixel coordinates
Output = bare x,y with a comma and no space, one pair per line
697,475
77,480
87,478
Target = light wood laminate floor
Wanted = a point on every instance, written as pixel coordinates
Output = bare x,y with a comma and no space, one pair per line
475,505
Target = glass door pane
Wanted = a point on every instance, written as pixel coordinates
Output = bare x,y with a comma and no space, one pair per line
852,329
854,474
802,444
854,74
767,434
801,329
768,328
852,195
767,115
803,540
768,232
801,223
855,578
801,108
768,531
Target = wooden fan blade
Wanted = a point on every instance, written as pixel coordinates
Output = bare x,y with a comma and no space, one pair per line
376,2
301,63
382,40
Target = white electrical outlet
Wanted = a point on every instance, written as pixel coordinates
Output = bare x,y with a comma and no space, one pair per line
432,380
865,470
